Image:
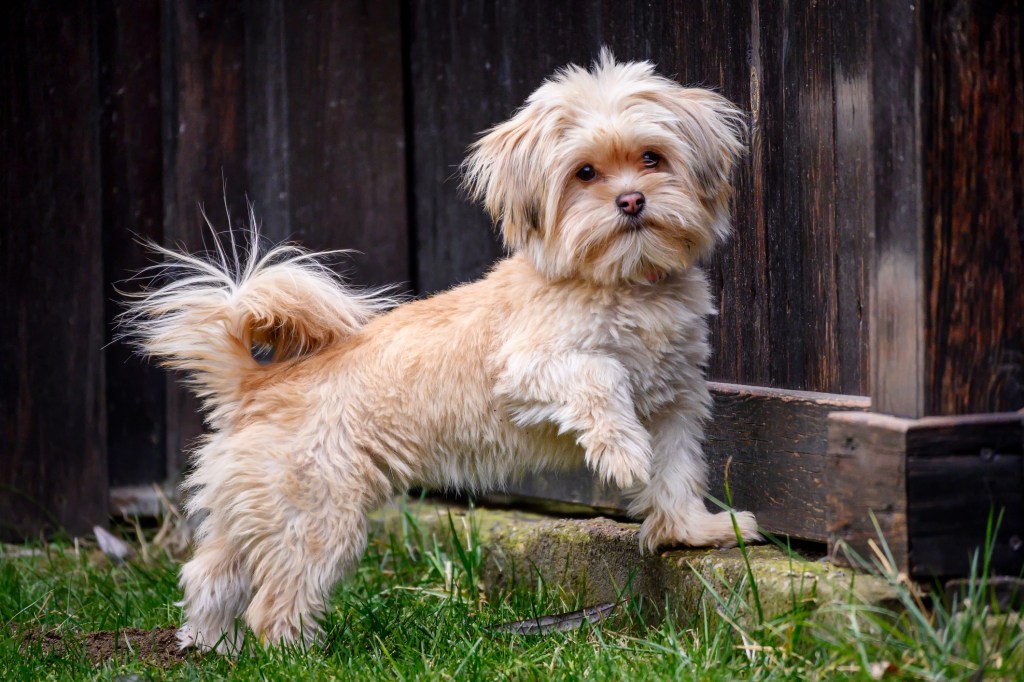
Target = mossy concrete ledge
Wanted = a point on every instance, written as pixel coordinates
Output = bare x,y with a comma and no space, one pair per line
598,560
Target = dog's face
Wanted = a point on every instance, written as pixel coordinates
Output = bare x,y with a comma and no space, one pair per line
609,175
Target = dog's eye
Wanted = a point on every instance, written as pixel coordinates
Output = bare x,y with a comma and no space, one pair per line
651,159
587,173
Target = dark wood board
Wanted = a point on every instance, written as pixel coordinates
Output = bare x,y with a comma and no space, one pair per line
267,114
346,134
53,470
774,444
973,131
777,442
896,263
934,485
204,151
866,485
128,35
953,499
964,473
854,192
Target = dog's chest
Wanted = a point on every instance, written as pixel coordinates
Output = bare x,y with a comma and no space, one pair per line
658,338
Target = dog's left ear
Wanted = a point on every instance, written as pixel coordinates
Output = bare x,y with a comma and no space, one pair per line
715,131
502,172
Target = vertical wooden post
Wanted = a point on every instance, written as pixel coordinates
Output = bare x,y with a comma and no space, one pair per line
128,33
53,469
897,274
947,333
204,151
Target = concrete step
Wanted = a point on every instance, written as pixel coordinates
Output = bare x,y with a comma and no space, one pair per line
598,560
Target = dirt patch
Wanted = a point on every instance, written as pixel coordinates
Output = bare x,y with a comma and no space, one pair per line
157,647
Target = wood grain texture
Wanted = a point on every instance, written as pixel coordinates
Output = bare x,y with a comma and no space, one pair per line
854,192
897,261
866,485
974,137
953,499
346,134
934,485
130,142
964,473
791,284
298,106
204,151
266,114
776,444
773,444
53,472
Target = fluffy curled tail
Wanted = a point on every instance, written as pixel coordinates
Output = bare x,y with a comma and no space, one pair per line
204,315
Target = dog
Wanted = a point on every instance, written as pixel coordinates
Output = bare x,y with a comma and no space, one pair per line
586,344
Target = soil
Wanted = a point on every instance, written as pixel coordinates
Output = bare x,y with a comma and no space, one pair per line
157,647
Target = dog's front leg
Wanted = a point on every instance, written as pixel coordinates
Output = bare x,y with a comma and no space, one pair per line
587,395
673,501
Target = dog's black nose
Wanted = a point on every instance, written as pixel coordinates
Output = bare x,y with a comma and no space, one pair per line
630,203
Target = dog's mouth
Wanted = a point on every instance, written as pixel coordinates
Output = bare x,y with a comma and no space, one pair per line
634,223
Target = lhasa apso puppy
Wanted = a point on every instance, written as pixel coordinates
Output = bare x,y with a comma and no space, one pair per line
587,343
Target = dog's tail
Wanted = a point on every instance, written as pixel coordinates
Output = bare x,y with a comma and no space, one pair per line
205,315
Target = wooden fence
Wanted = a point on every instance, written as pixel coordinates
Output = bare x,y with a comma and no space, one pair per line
876,265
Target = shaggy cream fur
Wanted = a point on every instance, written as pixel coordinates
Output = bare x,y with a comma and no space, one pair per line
587,344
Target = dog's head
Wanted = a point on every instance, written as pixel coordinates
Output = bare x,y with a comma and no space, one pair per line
613,174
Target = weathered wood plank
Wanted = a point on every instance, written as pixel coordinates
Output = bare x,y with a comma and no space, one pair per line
960,472
973,120
774,443
808,187
897,262
53,471
952,499
854,207
345,131
777,442
204,149
132,160
867,485
934,484
266,118
949,238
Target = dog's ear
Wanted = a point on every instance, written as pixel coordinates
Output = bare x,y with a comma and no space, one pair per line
715,131
502,172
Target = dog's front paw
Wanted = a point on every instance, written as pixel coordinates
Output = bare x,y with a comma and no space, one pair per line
703,529
624,465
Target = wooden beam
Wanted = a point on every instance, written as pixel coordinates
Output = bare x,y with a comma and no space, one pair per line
963,473
866,485
775,442
933,485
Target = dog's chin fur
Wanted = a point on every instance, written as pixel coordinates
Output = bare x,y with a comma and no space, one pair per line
586,345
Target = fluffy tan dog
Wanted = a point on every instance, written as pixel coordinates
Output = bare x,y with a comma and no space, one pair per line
586,344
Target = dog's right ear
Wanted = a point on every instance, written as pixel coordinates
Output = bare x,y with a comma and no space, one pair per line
502,172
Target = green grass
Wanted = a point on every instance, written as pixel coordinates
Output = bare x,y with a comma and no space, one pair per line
415,609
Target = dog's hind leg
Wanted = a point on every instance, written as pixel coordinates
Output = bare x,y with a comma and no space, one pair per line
296,568
216,588
673,501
